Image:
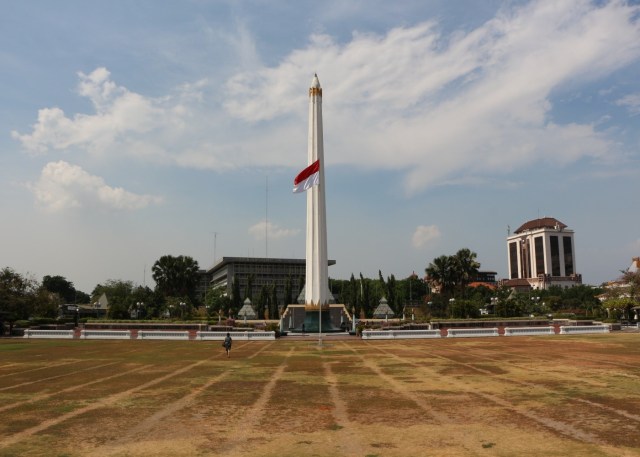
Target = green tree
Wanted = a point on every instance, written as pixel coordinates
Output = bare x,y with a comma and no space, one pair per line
440,274
392,295
273,303
465,267
262,303
367,306
59,285
176,276
218,301
248,291
119,294
288,291
236,296
17,297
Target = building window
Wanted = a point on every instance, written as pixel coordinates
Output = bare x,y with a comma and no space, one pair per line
555,256
568,255
513,259
539,255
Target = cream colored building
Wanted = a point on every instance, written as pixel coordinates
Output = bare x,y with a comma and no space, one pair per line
542,253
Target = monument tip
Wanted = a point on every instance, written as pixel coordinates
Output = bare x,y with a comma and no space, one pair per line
315,84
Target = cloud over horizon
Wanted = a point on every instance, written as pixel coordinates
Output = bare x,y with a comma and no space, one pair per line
63,186
437,107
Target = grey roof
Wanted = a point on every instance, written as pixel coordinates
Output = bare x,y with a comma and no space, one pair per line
383,309
247,310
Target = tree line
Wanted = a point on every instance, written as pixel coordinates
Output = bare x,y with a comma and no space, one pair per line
444,292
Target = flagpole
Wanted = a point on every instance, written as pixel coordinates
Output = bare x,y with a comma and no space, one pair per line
320,324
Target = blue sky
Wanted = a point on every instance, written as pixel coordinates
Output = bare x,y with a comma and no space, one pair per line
131,130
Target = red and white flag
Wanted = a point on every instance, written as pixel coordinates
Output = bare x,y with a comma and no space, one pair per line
307,178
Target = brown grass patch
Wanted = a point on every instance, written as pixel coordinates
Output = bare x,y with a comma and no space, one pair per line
492,396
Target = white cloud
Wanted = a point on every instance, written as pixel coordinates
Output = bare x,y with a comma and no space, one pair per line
424,235
272,230
631,101
474,103
119,114
62,186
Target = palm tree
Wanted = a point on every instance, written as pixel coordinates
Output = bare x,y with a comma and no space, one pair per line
176,276
465,267
440,273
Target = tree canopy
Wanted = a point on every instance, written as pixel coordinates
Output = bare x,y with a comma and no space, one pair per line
176,276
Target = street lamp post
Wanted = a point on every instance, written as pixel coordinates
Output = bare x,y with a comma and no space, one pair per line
353,318
182,308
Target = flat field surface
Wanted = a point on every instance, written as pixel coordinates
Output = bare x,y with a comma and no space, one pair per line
506,396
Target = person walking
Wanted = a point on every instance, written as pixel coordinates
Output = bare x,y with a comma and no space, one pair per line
227,344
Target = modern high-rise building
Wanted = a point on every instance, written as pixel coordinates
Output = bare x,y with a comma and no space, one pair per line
542,253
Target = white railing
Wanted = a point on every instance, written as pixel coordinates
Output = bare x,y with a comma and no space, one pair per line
29,333
399,334
524,331
106,334
241,336
162,335
580,329
471,332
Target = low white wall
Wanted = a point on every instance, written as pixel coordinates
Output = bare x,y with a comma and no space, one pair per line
162,335
399,334
581,329
241,336
528,331
67,334
105,334
471,332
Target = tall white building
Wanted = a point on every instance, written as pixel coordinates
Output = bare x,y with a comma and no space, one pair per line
542,253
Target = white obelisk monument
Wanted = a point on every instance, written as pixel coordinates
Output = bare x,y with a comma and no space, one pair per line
317,267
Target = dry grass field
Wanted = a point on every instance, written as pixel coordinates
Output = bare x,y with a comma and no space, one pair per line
506,396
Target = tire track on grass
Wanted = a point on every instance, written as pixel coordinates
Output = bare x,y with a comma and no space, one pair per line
108,401
71,373
68,389
249,421
533,385
172,408
400,388
570,359
55,365
557,426
351,444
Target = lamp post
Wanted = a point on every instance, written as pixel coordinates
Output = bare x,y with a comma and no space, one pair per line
139,308
353,318
182,308
535,301
96,307
77,315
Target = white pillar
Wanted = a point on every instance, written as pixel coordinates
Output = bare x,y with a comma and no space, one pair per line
317,274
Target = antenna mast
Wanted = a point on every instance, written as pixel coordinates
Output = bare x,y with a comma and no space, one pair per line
266,219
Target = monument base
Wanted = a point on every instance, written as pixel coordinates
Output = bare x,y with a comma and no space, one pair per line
335,319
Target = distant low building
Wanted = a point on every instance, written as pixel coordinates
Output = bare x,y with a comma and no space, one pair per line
542,253
261,272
